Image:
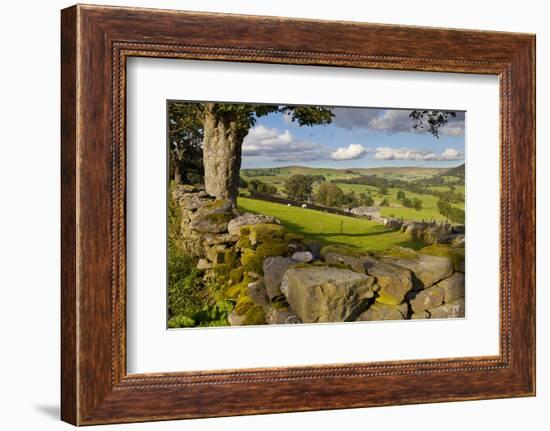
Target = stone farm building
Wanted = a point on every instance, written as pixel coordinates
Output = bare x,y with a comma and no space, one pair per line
371,213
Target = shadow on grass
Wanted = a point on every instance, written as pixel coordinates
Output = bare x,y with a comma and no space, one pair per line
328,238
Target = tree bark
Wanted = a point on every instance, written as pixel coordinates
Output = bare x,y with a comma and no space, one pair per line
222,144
177,173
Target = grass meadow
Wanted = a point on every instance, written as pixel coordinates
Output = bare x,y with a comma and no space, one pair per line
326,228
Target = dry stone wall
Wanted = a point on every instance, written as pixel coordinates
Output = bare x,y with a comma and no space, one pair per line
278,277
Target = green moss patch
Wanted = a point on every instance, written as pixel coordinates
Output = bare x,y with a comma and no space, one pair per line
221,273
341,249
291,236
401,253
230,258
280,305
217,218
251,262
244,243
456,254
273,247
255,316
244,303
387,300
260,233
235,276
216,205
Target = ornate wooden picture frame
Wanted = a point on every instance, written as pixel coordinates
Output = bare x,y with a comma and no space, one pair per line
96,41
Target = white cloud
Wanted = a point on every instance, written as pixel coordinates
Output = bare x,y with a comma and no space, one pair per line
266,142
391,121
451,154
386,153
351,152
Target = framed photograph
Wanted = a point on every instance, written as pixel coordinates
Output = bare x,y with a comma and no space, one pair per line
266,215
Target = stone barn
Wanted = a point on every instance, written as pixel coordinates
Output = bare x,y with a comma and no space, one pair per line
371,213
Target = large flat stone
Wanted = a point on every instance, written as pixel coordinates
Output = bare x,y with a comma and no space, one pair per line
326,294
427,269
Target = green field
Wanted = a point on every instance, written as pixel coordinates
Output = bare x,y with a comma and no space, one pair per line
396,209
324,227
429,211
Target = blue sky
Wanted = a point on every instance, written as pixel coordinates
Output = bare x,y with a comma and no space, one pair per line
357,137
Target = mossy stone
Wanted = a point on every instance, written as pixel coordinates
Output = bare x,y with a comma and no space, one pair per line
244,243
291,236
387,300
263,232
341,249
251,262
255,316
272,247
221,273
456,254
230,257
244,303
237,290
218,204
281,304
400,252
236,275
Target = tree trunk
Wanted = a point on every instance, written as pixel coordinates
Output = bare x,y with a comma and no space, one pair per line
221,149
177,173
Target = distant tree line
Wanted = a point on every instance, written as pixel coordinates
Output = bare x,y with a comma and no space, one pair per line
261,187
451,213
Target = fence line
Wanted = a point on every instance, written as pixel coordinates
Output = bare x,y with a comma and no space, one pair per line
287,201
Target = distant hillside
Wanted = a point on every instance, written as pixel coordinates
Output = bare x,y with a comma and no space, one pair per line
416,171
459,171
277,175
